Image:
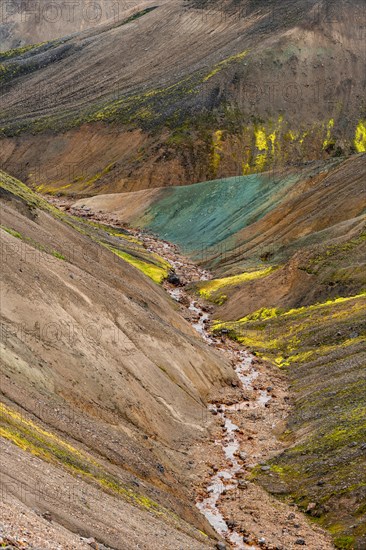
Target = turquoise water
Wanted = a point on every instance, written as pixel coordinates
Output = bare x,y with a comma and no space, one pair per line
205,214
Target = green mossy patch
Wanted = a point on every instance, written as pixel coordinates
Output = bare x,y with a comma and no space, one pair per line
157,271
16,52
116,240
211,290
345,542
292,337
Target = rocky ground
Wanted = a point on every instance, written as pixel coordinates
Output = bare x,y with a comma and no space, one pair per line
23,528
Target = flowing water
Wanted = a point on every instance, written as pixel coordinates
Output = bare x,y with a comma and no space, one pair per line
225,480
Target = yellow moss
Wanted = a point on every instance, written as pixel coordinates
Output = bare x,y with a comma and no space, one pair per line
261,314
360,137
322,350
127,237
99,175
156,272
208,288
260,162
272,139
33,439
144,113
6,412
358,413
115,232
245,168
268,313
264,143
281,342
64,187
19,51
51,189
223,63
261,139
327,140
326,304
291,135
217,149
303,136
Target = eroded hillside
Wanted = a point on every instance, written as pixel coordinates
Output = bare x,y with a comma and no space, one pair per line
212,89
98,414
26,23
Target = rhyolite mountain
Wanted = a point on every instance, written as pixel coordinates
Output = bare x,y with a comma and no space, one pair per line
184,91
237,131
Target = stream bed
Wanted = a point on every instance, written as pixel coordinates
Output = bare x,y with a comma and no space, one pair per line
225,480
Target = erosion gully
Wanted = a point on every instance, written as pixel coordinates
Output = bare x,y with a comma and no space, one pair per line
224,480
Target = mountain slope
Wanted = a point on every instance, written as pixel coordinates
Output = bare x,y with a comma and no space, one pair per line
24,24
208,97
90,384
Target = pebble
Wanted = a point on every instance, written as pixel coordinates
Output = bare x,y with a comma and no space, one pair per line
242,484
311,506
300,542
47,516
231,524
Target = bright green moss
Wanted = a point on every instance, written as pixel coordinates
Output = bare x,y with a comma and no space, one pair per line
208,289
360,137
224,63
58,255
11,232
156,272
